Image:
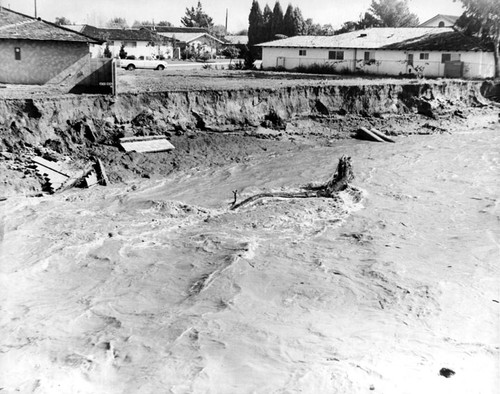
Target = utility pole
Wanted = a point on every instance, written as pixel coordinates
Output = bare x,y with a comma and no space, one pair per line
226,22
36,15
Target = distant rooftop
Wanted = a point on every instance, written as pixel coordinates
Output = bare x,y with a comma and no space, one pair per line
114,34
187,37
234,40
14,25
449,20
172,29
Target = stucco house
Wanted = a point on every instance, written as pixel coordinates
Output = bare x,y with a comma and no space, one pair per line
440,20
34,51
193,38
430,52
136,42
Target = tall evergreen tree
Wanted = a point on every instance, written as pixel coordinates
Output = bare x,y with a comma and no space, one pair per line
277,20
299,25
267,15
255,25
288,28
196,17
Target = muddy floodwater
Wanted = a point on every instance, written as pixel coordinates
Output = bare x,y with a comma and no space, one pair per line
156,287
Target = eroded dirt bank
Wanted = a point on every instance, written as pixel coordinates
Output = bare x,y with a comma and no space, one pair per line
213,127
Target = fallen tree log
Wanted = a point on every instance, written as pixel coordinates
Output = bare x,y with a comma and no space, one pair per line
340,181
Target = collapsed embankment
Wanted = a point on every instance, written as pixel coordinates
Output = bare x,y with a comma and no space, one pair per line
80,126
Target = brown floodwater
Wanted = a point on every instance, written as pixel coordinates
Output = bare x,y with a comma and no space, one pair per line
157,287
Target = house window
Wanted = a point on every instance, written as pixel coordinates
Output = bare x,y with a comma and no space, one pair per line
445,57
336,55
302,52
368,56
17,53
409,59
441,24
130,44
424,56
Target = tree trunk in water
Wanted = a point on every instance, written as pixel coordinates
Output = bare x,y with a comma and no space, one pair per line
340,181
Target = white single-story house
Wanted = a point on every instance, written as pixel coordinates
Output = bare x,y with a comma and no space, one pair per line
136,42
429,52
193,38
440,20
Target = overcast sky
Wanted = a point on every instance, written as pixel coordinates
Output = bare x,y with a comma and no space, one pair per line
334,12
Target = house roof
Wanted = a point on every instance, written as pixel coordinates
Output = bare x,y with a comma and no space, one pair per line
14,25
451,19
116,34
188,37
234,40
450,41
172,29
408,38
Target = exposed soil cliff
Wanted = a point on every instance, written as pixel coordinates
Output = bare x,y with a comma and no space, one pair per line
199,122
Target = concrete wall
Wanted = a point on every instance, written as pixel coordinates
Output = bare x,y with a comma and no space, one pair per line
42,61
476,64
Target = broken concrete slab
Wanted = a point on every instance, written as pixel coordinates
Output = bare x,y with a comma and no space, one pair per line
148,144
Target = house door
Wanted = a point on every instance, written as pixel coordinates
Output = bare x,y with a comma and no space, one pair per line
409,60
280,62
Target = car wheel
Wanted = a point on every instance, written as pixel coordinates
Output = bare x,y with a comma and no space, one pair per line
160,67
131,67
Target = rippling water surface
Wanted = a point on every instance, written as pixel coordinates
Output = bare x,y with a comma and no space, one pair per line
162,289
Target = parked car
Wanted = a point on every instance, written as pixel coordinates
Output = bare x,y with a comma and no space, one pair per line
131,63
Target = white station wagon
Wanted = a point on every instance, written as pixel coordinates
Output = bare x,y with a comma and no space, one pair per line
143,62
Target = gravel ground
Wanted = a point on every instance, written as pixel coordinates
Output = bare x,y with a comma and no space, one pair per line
204,79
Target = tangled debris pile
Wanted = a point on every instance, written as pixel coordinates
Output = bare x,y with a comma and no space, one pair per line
62,175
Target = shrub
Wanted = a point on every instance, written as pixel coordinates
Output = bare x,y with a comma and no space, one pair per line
122,54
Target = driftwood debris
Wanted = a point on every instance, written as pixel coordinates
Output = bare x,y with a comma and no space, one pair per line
340,181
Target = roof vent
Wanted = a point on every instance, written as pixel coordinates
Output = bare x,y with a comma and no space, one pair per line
363,35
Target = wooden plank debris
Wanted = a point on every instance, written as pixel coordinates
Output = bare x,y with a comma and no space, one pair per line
364,133
148,144
382,135
101,172
52,172
91,179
